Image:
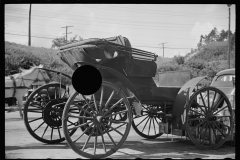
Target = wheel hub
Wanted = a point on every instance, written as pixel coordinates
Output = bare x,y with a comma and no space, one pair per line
99,118
52,115
212,118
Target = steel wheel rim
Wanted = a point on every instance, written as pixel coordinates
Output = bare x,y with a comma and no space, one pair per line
100,142
212,126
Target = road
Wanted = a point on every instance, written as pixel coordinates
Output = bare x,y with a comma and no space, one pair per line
20,144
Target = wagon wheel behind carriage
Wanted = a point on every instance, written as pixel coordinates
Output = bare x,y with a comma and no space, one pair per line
147,124
102,134
209,118
43,113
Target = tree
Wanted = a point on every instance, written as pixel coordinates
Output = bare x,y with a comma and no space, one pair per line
213,35
58,42
222,36
179,59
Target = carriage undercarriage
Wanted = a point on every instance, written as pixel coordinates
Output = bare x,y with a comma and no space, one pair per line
126,98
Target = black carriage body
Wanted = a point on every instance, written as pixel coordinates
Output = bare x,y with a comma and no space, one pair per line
136,65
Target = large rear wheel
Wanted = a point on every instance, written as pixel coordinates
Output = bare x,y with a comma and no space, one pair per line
101,133
209,118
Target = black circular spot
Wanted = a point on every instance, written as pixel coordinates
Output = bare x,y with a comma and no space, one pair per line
86,80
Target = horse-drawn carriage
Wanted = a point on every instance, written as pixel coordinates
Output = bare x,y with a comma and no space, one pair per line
97,125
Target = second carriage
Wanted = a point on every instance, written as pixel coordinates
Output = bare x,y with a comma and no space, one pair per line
97,125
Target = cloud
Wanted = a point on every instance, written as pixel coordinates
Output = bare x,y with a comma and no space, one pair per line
200,29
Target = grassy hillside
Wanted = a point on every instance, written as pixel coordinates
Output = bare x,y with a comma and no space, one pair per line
17,56
209,60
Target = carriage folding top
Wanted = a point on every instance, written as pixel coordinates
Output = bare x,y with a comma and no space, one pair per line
114,52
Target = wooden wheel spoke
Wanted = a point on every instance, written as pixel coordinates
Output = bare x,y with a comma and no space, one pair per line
87,103
110,97
45,130
140,116
118,127
218,103
101,99
34,120
59,132
219,129
209,126
39,126
118,121
81,125
35,110
82,108
71,122
203,138
110,115
197,112
113,106
213,130
141,121
200,124
220,110
80,117
156,120
115,130
87,129
95,142
103,142
202,127
194,119
51,133
222,124
88,138
95,102
213,100
149,125
109,135
154,126
146,124
203,102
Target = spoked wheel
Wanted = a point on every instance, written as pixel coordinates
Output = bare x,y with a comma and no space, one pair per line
100,135
209,119
43,113
147,124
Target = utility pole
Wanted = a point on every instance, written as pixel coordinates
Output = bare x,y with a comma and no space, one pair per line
66,31
163,47
29,27
229,5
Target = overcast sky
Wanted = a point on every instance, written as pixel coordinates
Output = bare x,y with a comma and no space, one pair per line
145,25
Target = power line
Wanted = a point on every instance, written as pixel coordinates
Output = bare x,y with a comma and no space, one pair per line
157,12
121,26
27,35
118,6
190,24
133,45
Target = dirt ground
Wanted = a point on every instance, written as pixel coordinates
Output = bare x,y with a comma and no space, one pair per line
20,144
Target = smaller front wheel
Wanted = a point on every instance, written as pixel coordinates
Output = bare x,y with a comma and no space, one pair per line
43,113
101,133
